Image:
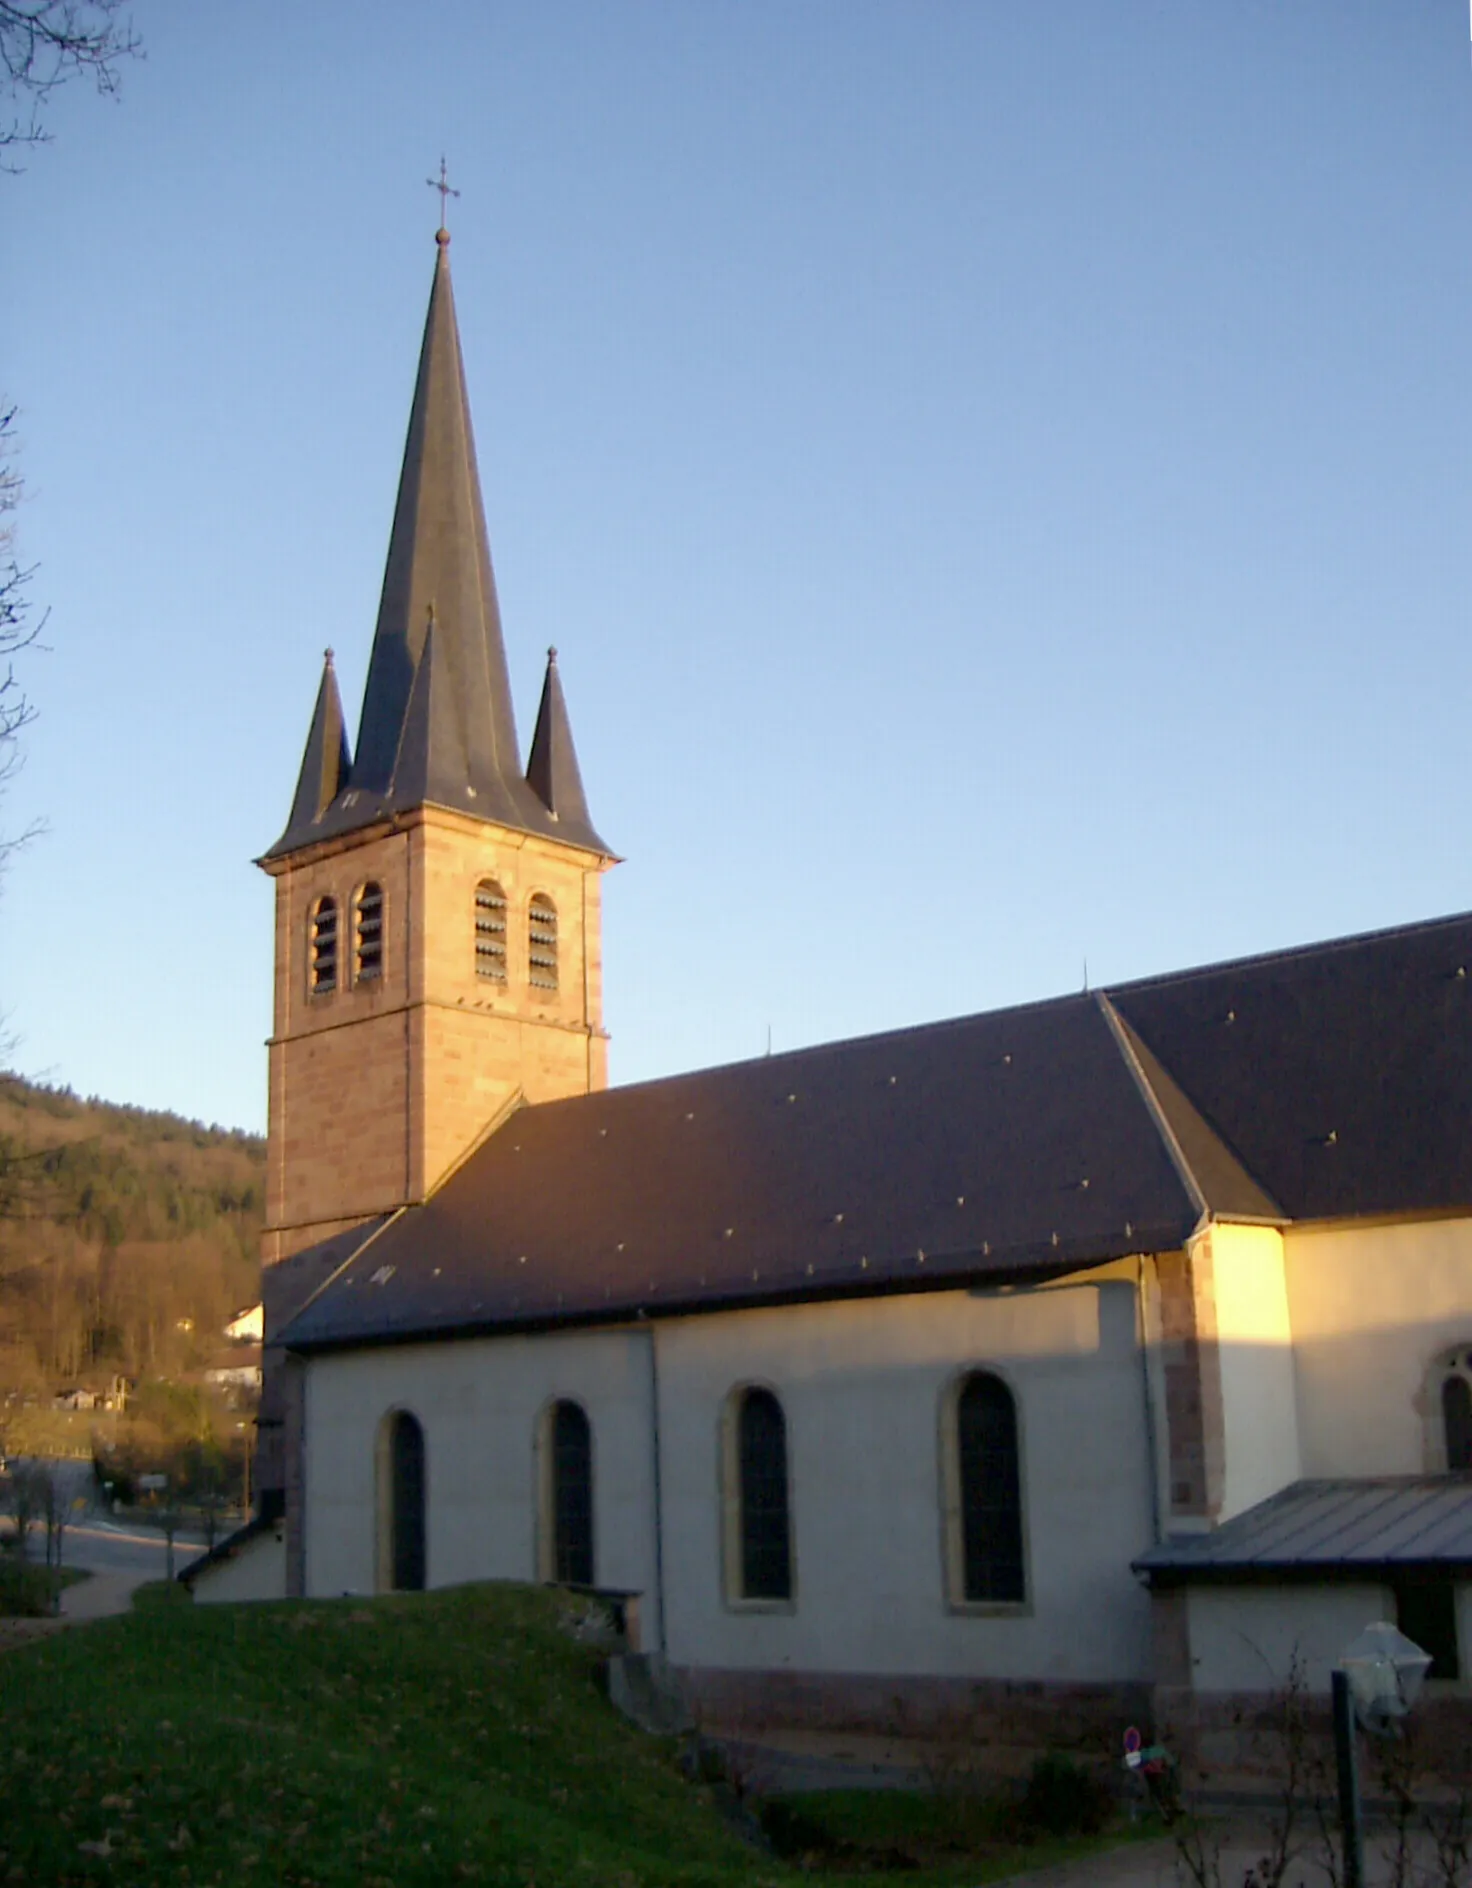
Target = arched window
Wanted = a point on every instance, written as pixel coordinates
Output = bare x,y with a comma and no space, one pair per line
763,1522
490,931
542,943
1456,1414
983,1467
368,928
322,947
567,1495
401,1487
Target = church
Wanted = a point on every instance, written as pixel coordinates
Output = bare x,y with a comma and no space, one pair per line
1054,1366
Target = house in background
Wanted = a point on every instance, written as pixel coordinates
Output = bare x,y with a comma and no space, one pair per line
1031,1363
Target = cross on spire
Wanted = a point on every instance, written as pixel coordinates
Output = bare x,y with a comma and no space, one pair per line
441,183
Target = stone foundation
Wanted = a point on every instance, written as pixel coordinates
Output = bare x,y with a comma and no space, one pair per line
988,1718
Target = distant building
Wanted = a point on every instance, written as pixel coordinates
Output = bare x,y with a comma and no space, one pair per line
247,1326
238,1368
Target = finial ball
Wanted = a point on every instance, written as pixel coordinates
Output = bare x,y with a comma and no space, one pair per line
552,653
442,237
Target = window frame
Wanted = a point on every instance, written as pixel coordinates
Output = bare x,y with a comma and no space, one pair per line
543,991
548,1571
1454,1366
952,1518
494,885
733,1558
316,910
362,978
384,1502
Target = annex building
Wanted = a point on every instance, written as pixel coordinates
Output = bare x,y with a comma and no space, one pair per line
1037,1360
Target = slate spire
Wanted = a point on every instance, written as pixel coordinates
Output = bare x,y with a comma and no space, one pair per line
552,771
437,724
439,562
326,762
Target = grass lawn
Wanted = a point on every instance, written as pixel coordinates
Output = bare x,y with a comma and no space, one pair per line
411,1740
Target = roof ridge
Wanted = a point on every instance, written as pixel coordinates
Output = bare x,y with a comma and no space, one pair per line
1323,946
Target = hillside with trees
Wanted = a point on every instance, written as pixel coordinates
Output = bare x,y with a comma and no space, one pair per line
127,1239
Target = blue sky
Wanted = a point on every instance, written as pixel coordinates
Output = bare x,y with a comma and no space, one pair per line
997,476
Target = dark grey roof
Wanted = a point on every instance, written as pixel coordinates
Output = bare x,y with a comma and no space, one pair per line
437,724
1339,1076
552,769
1002,1146
972,1150
326,762
1330,1527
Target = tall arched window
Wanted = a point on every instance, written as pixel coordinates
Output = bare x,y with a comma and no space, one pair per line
542,943
567,1495
322,947
985,1499
490,931
1456,1414
368,933
401,1492
763,1545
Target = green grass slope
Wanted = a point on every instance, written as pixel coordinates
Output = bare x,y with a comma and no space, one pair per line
428,1739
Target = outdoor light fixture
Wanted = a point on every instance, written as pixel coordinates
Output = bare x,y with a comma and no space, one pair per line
1378,1679
1386,1671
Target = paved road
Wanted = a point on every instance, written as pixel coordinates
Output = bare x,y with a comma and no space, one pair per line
108,1547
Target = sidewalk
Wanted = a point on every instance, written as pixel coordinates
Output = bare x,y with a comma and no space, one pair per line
100,1596
1153,1865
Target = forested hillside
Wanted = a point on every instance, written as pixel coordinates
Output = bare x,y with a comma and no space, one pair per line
127,1238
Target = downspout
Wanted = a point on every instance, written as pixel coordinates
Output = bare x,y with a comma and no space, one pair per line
657,1480
1152,1444
409,956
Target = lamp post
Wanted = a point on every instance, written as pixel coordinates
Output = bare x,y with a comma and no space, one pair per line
1378,1678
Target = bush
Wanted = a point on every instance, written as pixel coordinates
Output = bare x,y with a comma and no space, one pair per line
1062,1798
26,1592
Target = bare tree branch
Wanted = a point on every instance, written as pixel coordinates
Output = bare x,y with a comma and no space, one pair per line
43,44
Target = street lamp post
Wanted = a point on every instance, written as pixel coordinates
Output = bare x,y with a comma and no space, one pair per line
1378,1678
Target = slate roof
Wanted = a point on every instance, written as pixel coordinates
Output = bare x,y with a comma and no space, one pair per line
1324,1527
437,725
1000,1147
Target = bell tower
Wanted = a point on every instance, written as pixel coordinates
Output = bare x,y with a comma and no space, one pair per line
437,909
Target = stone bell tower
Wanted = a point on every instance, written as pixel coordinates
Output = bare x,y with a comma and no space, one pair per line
437,909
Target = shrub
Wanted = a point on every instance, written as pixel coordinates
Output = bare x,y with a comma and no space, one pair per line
1062,1798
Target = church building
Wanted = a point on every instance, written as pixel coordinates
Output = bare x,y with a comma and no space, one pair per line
1043,1365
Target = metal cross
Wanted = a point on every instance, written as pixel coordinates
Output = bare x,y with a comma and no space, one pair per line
441,184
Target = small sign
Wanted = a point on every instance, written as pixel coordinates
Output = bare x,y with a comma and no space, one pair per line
152,1483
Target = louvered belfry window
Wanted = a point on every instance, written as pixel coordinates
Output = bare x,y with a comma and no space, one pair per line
542,943
490,931
991,1491
766,1532
572,1495
1456,1413
368,946
322,947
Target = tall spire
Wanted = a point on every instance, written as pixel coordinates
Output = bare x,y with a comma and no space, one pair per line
552,771
439,563
448,735
326,762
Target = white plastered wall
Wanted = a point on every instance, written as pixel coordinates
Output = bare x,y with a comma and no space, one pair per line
479,1400
1245,1638
1255,1346
862,1385
1373,1309
256,1572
